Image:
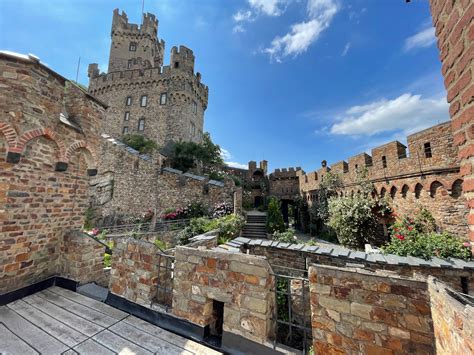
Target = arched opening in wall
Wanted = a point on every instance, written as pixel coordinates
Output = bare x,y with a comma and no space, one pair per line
257,175
42,153
393,192
456,189
374,193
383,192
436,189
418,189
405,189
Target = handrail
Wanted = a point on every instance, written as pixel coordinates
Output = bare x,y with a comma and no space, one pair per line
108,250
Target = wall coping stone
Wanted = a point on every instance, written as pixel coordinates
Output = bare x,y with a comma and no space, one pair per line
125,147
338,251
195,177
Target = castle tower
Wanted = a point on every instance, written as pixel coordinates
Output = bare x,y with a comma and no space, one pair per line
135,47
164,103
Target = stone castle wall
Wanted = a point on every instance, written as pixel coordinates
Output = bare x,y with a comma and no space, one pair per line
44,166
452,320
242,282
176,98
423,176
130,184
354,311
284,183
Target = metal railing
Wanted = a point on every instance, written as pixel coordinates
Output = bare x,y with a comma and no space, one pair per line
143,228
292,312
164,294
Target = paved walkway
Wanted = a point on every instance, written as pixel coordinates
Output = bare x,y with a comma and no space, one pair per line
59,321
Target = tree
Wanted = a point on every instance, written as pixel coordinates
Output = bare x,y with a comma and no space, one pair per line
190,155
275,222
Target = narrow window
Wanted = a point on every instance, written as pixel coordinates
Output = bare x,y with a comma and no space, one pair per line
143,101
125,130
357,167
129,64
176,64
163,99
132,47
194,107
192,129
427,148
128,101
384,161
127,116
141,125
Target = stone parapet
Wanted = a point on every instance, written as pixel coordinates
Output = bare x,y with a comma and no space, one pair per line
242,282
453,319
355,311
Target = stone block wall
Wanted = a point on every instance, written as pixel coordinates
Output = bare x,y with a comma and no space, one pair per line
353,312
453,21
458,276
135,270
82,259
130,184
44,166
243,283
453,321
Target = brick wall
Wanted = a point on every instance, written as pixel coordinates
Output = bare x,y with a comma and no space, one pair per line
452,320
353,312
411,178
453,21
44,166
242,282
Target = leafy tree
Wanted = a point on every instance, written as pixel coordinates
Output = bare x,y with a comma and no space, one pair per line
275,222
190,155
140,143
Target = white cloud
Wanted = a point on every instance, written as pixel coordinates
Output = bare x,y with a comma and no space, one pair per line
408,113
234,164
422,39
242,16
269,7
226,155
303,34
346,49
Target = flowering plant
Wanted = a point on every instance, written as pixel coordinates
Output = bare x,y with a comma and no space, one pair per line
222,209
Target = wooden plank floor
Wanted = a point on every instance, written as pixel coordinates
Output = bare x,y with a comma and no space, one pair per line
59,321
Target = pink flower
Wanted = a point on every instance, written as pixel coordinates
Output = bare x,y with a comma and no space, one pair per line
410,228
466,244
399,236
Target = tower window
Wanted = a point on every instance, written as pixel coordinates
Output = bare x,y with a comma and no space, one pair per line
176,64
143,101
163,98
128,101
192,129
132,47
129,64
384,161
427,149
125,130
141,125
194,107
127,116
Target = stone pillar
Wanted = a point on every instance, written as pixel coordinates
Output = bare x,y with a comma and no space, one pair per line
134,273
82,258
238,200
244,283
455,33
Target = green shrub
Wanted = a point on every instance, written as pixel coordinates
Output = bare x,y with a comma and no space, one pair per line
353,220
108,257
184,235
416,237
140,143
426,246
275,222
230,225
161,244
286,237
88,218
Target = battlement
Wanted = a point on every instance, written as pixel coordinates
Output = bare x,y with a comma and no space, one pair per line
182,59
429,150
285,173
120,24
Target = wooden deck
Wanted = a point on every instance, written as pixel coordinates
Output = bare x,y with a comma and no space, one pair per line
59,321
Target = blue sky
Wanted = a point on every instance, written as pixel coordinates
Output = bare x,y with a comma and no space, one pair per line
290,81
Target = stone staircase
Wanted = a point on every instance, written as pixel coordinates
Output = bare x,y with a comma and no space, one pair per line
256,225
